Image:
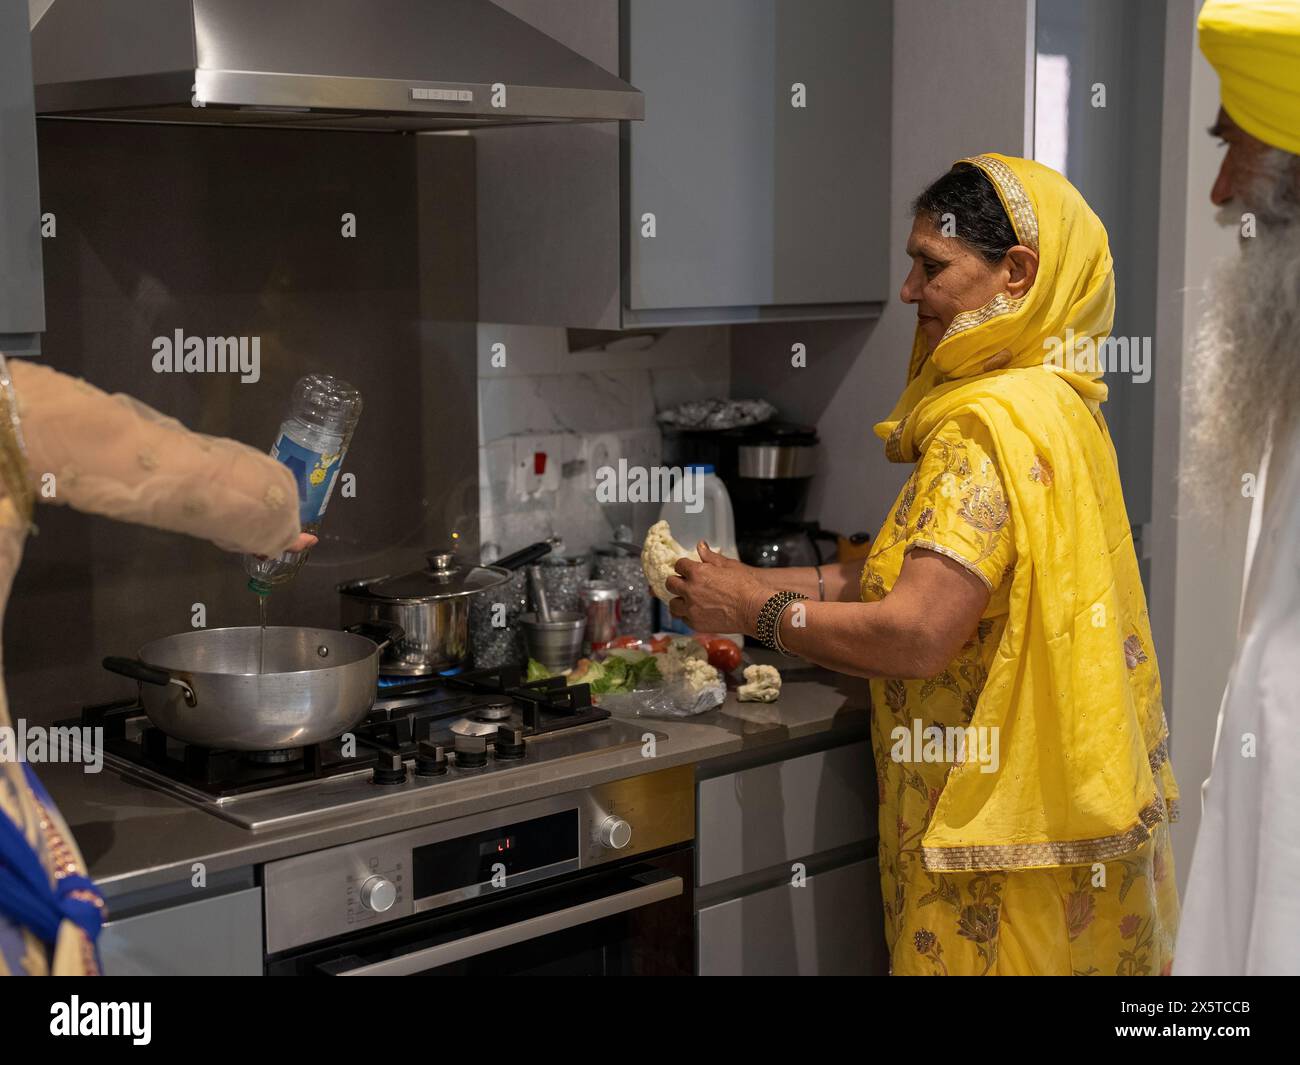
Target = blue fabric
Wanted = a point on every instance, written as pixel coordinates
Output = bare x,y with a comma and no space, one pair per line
26,898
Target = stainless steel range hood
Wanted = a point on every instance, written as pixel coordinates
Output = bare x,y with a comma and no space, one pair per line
404,65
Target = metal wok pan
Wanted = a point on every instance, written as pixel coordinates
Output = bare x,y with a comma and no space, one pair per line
204,687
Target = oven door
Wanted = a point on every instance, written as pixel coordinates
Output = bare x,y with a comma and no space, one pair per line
633,918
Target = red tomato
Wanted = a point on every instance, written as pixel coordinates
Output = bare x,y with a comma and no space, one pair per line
659,644
625,641
724,655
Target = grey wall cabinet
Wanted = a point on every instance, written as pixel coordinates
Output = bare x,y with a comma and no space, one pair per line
756,188
22,294
548,196
763,159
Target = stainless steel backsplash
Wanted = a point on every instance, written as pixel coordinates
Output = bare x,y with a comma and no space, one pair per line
238,232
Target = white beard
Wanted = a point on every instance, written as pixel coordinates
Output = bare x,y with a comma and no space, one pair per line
1246,354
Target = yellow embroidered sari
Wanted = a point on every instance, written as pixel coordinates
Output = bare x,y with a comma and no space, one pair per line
1041,845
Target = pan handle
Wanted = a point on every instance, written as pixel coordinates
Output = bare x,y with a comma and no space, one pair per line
137,670
382,633
521,558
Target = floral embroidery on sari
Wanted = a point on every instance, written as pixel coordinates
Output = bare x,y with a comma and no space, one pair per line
984,509
1041,472
978,915
1133,653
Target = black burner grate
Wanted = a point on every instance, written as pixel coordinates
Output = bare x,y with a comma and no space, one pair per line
403,715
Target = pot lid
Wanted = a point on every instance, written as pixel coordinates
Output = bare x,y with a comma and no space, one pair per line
443,578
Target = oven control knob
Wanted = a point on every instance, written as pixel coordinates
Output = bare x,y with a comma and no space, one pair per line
614,833
378,894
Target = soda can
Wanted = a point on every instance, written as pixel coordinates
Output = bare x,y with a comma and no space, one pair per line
600,601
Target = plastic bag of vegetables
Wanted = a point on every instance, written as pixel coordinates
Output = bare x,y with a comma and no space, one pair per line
678,682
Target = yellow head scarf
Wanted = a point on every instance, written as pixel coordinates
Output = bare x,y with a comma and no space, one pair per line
1074,690
1254,45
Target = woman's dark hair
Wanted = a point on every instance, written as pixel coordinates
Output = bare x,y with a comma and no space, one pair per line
980,220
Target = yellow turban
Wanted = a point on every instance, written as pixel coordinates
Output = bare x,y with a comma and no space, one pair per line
1255,47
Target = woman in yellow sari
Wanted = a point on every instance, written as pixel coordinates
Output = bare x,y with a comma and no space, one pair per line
1019,735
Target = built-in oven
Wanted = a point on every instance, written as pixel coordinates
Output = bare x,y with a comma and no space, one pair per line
595,882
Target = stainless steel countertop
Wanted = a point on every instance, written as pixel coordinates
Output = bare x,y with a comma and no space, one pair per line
135,837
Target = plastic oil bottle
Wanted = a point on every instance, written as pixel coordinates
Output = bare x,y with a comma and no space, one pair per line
312,441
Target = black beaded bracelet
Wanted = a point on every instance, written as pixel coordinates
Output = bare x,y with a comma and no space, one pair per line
767,627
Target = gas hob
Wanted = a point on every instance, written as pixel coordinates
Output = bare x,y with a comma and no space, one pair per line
418,735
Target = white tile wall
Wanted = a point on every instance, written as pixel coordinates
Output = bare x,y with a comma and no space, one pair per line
581,409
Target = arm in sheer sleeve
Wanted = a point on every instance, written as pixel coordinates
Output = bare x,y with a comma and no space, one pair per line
114,456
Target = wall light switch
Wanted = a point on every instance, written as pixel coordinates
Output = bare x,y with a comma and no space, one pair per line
525,481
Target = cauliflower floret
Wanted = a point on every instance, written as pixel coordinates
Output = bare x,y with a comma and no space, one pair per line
684,649
659,554
689,661
699,675
762,685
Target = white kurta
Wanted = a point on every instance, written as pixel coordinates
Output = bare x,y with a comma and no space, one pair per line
1241,915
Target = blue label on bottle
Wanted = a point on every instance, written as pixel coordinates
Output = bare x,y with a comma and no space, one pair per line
315,474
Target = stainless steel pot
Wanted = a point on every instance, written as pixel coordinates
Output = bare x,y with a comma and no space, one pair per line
205,687
431,606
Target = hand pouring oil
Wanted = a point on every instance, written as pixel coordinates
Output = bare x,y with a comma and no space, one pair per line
312,441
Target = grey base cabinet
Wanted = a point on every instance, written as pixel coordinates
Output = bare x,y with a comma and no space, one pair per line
828,927
787,881
216,936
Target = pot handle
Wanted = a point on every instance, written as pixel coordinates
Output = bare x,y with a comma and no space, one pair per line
382,633
137,670
521,558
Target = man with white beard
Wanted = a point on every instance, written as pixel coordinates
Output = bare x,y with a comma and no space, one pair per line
1242,910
